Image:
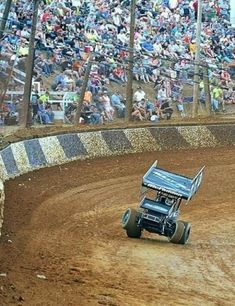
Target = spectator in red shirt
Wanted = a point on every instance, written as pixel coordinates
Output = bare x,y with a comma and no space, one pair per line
45,16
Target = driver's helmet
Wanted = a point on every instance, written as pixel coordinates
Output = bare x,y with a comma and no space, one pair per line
169,201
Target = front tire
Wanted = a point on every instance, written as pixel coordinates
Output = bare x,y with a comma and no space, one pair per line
187,228
129,223
178,233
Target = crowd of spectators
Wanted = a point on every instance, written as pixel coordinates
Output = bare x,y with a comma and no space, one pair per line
69,30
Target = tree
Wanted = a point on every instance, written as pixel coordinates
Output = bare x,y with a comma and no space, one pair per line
83,90
25,114
5,17
129,89
197,60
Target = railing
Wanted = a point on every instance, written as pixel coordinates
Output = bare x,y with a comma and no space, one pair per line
64,99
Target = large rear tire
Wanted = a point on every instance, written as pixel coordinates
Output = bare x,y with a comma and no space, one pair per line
187,228
178,234
129,223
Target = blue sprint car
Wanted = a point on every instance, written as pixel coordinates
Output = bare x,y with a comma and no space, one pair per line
162,193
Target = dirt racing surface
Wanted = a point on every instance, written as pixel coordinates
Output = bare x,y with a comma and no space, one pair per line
63,224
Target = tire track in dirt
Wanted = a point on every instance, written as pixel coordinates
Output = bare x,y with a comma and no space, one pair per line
73,235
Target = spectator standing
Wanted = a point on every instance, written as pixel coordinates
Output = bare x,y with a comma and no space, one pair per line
217,98
34,101
106,102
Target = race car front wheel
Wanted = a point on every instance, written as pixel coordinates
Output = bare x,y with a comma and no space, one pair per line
187,228
129,223
178,233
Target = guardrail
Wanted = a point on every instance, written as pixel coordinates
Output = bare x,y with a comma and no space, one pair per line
65,95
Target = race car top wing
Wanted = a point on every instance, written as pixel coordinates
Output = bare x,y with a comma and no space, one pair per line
169,182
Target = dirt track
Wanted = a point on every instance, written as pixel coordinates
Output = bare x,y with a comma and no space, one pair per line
64,223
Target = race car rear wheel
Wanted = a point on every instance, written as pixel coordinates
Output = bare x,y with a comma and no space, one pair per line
129,223
187,228
178,233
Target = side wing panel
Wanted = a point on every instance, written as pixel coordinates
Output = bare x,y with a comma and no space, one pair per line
196,182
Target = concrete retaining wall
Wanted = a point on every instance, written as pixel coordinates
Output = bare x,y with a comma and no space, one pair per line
29,155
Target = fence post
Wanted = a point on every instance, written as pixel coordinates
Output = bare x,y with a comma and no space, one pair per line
83,90
206,82
4,17
25,116
197,59
129,89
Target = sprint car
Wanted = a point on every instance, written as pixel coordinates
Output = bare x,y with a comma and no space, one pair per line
162,193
